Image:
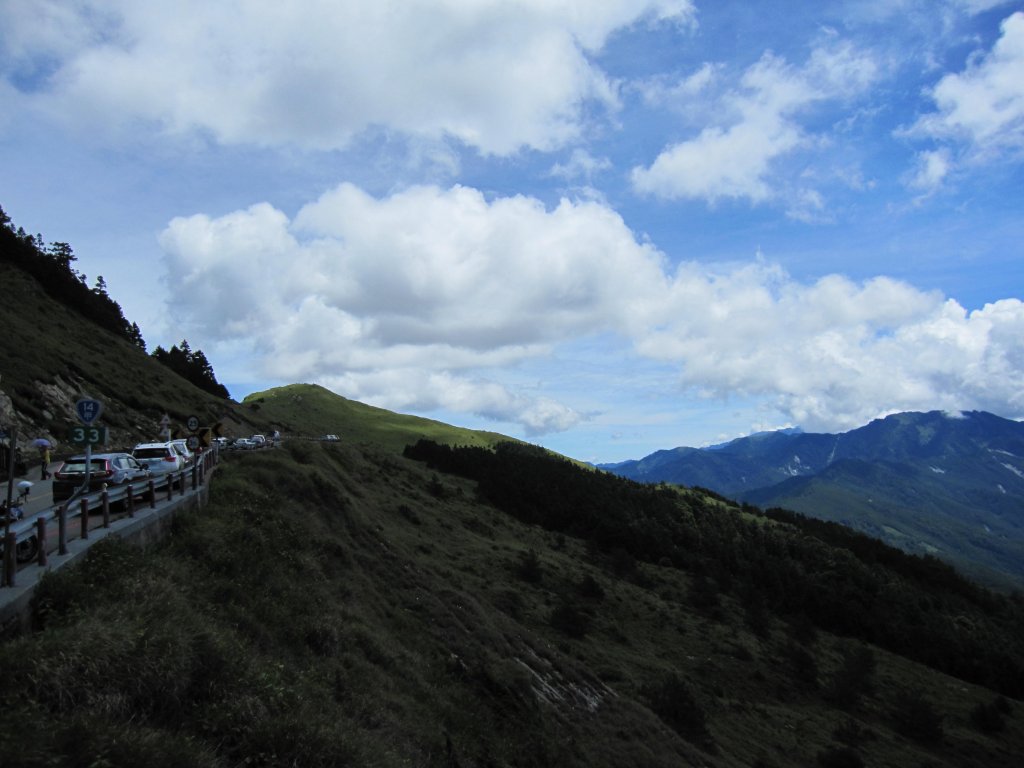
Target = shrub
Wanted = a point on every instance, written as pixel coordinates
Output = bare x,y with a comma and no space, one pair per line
673,702
570,620
988,718
853,680
915,717
528,568
840,757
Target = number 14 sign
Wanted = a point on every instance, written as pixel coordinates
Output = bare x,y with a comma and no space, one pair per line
88,410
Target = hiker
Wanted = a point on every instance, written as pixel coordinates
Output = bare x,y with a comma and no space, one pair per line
45,468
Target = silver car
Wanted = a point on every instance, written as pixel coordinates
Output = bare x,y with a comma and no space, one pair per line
104,469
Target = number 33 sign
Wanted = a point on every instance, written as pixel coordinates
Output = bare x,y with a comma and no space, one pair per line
88,436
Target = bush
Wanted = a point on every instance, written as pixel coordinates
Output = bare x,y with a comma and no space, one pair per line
915,717
988,718
673,702
570,620
853,680
528,568
840,757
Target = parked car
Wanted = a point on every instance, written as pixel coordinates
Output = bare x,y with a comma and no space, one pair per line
330,438
104,469
160,458
243,444
181,446
259,440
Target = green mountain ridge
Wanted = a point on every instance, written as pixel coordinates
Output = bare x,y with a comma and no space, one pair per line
930,483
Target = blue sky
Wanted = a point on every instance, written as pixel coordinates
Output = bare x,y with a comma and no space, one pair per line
607,227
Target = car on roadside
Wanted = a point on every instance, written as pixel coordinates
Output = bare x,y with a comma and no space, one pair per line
259,441
160,458
330,438
108,469
181,446
243,444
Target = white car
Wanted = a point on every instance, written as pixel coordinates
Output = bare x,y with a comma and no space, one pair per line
159,458
181,446
243,444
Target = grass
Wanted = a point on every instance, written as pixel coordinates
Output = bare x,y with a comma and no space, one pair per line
311,410
336,604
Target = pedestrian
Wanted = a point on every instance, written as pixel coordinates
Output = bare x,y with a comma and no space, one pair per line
46,463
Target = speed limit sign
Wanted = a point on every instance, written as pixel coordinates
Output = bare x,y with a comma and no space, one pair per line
192,423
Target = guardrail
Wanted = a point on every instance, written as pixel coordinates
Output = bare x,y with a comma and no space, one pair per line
148,491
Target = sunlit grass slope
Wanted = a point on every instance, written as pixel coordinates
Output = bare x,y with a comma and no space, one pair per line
310,410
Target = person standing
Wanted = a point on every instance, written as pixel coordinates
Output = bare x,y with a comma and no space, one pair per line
45,469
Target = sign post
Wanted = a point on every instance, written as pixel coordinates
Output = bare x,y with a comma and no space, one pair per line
88,411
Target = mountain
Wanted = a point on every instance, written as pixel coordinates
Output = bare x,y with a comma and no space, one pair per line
421,594
950,485
347,604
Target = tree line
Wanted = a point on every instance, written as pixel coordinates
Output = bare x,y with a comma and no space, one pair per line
795,568
53,267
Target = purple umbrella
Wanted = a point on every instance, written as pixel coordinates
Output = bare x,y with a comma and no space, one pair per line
41,442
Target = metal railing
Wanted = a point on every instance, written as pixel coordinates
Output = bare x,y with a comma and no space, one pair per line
37,526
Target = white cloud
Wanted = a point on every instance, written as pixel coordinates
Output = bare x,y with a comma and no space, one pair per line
983,106
932,169
429,297
493,74
441,282
735,156
581,166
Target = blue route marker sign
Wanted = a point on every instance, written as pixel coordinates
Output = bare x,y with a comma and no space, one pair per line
88,410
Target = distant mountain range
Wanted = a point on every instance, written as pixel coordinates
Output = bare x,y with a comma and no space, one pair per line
949,485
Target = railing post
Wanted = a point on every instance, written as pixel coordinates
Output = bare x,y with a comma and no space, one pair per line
85,518
10,558
202,472
41,538
152,494
181,483
170,486
62,529
106,507
131,499
195,476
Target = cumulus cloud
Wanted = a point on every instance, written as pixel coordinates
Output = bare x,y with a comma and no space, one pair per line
757,124
426,298
982,108
492,74
439,282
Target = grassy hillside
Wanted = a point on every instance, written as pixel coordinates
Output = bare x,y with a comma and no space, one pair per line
339,604
311,410
50,357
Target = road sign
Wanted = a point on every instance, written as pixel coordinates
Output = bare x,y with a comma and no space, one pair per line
193,443
88,410
192,423
88,435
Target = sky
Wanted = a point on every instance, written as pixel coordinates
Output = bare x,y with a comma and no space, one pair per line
607,227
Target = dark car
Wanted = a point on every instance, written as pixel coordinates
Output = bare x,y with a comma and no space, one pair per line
104,469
